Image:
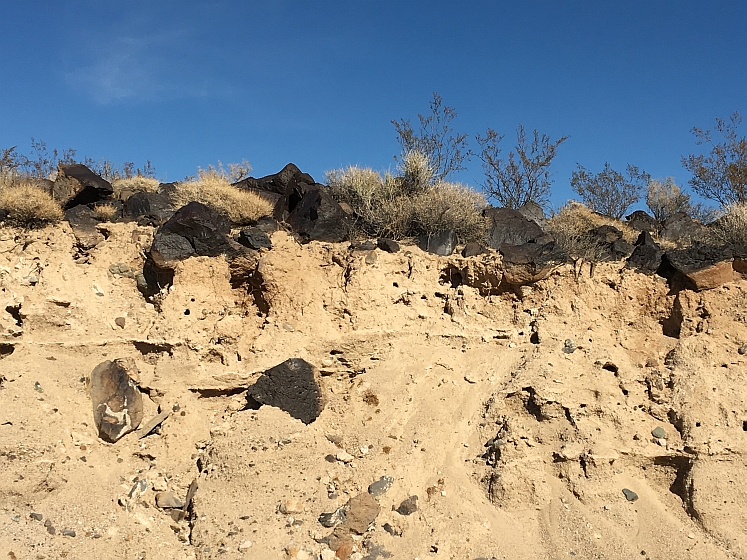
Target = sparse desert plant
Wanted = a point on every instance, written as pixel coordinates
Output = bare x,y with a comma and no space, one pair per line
407,205
525,175
446,150
104,211
722,175
609,192
665,198
213,188
29,205
731,228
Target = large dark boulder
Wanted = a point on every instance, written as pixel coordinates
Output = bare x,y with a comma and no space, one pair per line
646,256
193,230
510,226
700,267
530,262
76,184
293,386
681,228
311,212
147,208
442,243
254,238
641,221
205,229
277,183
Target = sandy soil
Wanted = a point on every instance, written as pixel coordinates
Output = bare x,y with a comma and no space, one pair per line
418,377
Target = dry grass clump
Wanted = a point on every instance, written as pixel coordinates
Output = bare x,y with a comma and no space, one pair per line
408,205
731,228
575,218
28,205
104,212
134,185
212,188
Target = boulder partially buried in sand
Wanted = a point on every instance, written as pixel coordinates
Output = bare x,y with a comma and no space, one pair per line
293,386
117,402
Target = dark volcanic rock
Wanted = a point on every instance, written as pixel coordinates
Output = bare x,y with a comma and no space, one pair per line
293,386
367,245
117,402
388,245
83,223
533,211
641,221
680,227
194,230
205,229
277,183
530,262
149,207
647,254
474,249
312,213
76,184
254,238
606,234
408,506
442,243
510,226
702,266
620,250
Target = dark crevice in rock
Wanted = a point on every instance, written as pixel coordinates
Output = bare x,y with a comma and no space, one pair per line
683,484
6,350
209,393
152,347
15,312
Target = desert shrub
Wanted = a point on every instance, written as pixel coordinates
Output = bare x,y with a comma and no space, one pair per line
525,175
29,205
722,174
104,211
134,184
731,228
609,192
409,204
436,140
665,198
213,188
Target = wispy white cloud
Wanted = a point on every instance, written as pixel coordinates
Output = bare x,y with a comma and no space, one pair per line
145,68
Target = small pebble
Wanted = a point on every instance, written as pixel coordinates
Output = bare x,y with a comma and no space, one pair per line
68,533
36,516
408,506
380,486
245,545
344,457
742,349
630,495
659,432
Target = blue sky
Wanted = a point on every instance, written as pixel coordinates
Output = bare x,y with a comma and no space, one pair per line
186,84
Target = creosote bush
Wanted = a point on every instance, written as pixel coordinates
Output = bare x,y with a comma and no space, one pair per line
28,205
213,188
410,204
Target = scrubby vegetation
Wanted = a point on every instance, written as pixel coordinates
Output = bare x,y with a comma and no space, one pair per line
213,188
609,192
130,185
409,204
525,175
28,205
665,198
731,228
